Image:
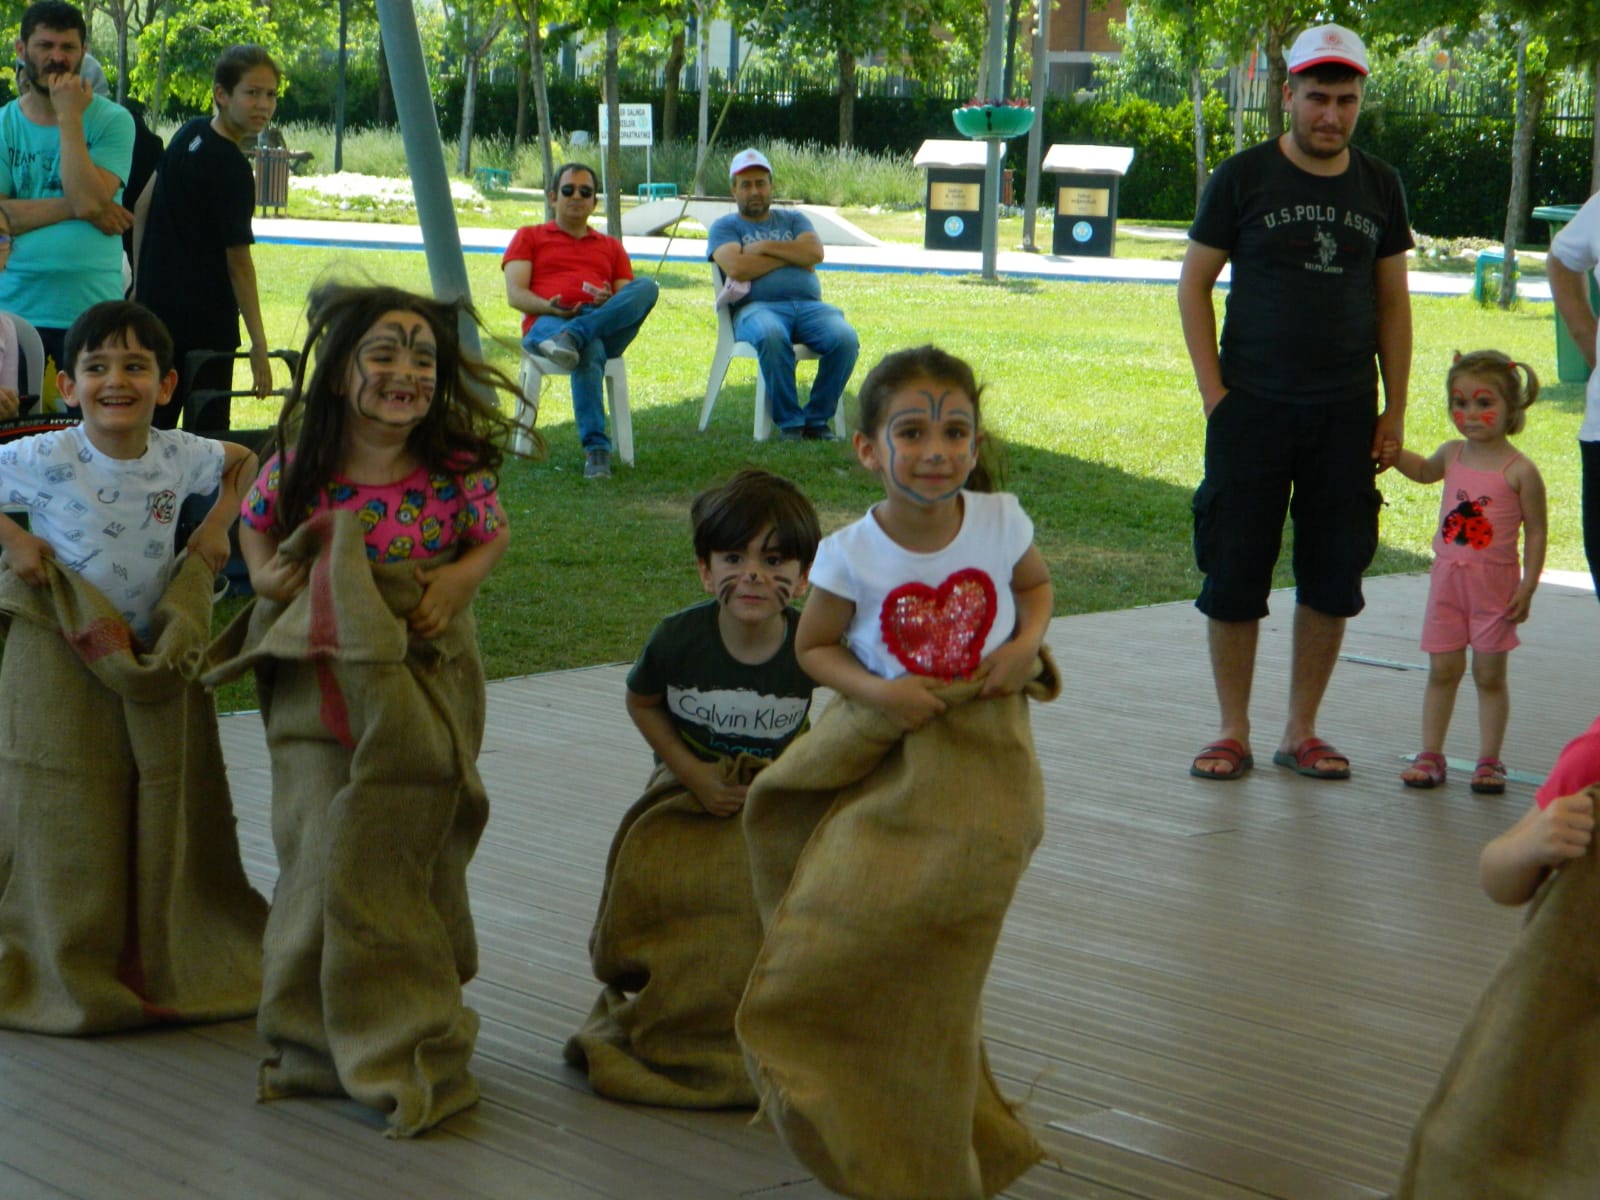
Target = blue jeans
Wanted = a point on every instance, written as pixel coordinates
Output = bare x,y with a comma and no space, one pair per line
600,333
773,327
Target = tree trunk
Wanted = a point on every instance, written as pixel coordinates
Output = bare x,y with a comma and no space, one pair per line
1241,85
1013,21
613,148
385,90
1531,91
1197,95
160,86
469,102
1594,154
541,105
674,76
847,97
703,130
519,132
1277,75
122,60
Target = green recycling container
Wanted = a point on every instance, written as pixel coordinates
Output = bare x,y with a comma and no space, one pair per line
1570,364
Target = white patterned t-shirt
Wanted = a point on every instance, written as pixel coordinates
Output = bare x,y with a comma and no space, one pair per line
110,519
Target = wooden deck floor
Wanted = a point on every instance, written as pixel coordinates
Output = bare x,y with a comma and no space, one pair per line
1217,991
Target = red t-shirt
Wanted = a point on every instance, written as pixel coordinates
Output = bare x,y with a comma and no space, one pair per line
562,264
1577,767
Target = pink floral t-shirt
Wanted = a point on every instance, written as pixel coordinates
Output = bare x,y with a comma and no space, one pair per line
415,518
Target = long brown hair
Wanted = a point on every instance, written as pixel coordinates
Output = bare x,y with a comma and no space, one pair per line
463,431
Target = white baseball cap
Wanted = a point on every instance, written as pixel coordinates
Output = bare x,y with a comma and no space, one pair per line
1323,44
746,160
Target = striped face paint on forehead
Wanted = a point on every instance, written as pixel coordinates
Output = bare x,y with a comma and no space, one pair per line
928,445
394,370
754,582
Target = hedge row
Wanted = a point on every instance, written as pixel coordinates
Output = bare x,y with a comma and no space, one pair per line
1457,173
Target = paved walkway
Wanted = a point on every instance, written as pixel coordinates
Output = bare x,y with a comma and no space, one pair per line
886,256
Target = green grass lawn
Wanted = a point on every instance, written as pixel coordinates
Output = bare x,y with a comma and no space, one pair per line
1088,387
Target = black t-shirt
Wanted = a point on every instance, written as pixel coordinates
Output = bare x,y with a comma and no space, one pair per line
1301,322
720,705
202,204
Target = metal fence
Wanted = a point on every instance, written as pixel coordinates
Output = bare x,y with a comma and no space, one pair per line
1568,109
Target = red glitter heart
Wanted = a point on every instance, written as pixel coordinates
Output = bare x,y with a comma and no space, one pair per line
940,631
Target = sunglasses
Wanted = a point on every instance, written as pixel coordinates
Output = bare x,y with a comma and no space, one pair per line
567,189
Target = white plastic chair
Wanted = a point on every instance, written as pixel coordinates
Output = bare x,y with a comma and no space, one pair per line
728,349
531,378
33,354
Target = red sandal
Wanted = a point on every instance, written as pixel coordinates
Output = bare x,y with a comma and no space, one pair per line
1432,766
1489,777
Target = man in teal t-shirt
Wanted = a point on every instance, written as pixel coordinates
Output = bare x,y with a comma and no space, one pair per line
64,156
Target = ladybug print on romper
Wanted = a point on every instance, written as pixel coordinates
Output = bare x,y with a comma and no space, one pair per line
1466,525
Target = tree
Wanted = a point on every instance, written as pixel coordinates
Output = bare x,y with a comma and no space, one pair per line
472,27
849,30
177,56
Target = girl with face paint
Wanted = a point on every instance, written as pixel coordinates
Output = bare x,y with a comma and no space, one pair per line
367,536
391,424
940,580
1479,592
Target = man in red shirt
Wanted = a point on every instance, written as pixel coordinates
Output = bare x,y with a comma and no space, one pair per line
582,304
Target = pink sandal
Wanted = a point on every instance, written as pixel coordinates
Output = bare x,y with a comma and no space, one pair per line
1432,766
1489,777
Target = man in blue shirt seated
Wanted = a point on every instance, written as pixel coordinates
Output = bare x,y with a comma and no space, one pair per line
776,252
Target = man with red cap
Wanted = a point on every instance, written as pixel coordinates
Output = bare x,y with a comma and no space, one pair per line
1318,311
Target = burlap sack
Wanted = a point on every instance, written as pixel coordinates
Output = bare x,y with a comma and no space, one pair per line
123,901
862,1023
1516,1115
377,807
673,944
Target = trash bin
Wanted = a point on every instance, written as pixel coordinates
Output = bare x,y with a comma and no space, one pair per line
1087,180
955,196
272,178
1571,367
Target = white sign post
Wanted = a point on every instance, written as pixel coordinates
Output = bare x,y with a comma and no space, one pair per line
637,129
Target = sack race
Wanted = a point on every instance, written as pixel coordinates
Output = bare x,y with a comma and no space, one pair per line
377,807
1516,1115
861,1023
123,901
673,944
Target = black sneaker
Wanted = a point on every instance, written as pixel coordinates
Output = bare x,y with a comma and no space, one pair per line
820,433
597,464
791,435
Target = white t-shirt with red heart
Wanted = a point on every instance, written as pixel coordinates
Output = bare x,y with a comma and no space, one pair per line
936,614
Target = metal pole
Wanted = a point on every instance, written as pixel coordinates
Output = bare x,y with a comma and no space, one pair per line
1038,91
991,168
430,183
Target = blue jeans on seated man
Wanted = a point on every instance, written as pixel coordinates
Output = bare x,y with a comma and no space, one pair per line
600,333
773,327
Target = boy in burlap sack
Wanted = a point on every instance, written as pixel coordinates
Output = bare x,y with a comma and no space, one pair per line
123,901
366,542
1515,1114
861,1023
717,694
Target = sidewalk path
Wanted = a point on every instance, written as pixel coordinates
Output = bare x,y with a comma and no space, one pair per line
898,257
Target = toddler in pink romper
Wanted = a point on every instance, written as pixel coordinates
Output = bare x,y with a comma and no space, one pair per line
1479,593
